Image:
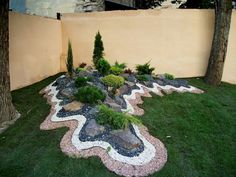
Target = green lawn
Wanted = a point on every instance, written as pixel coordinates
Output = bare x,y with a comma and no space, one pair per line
202,130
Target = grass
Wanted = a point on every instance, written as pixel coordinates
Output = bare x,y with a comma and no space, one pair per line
199,132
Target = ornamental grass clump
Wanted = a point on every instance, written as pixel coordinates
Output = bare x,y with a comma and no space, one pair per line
120,65
116,120
118,68
144,69
90,94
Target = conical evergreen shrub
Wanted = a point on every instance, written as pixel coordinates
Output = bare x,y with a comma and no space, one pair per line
98,49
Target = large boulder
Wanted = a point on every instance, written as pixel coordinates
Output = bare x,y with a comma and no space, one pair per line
73,106
115,106
92,128
123,89
126,139
68,92
120,101
85,73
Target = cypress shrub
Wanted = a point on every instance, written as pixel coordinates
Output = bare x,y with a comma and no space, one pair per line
98,49
69,62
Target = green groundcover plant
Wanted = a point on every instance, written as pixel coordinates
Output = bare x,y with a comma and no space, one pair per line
113,81
90,94
103,66
116,120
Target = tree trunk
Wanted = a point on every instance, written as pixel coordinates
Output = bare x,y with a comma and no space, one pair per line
7,110
223,11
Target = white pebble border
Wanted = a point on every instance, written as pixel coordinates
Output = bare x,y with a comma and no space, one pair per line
157,90
143,159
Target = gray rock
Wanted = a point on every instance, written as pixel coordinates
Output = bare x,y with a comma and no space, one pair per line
125,138
85,73
124,89
130,84
68,92
115,106
131,78
160,82
62,81
73,106
108,99
71,83
124,75
93,111
93,129
149,77
148,84
183,82
120,101
100,85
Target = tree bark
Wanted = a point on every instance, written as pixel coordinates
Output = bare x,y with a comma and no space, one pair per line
223,11
7,110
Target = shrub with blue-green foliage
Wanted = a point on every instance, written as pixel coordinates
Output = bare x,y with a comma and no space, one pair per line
90,94
103,66
116,120
144,69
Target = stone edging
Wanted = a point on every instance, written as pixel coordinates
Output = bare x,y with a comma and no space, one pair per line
120,168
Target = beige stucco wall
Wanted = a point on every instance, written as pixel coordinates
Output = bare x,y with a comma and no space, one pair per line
35,48
176,41
229,74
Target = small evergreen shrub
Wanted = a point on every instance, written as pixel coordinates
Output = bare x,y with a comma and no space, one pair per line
128,71
103,66
169,76
81,81
116,70
120,65
98,49
144,69
80,69
69,61
90,94
115,119
141,78
82,65
113,81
